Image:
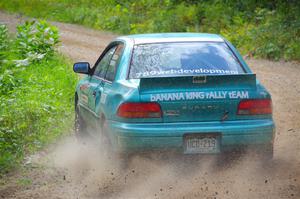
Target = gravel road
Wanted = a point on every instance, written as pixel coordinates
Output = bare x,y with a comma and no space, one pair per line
69,170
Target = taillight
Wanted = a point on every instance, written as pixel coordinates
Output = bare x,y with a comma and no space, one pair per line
255,107
139,110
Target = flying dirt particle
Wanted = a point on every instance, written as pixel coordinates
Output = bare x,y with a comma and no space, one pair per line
161,189
266,181
112,173
133,171
292,194
170,187
295,180
290,129
292,187
227,192
64,178
216,193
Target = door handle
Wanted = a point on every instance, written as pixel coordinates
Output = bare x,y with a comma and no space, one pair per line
94,93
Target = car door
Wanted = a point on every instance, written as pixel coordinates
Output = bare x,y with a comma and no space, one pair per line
96,81
108,87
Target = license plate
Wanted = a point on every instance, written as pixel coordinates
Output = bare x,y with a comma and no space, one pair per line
206,144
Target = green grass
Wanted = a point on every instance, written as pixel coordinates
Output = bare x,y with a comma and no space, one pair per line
267,29
36,102
24,181
37,111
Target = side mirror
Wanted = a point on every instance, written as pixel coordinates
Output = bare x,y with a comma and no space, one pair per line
82,67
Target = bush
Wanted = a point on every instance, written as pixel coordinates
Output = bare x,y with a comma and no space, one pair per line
36,99
35,40
3,42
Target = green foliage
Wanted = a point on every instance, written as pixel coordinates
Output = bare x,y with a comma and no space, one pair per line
24,181
3,41
8,81
268,29
35,40
36,100
273,38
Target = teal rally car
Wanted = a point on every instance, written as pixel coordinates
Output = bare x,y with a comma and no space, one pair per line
191,92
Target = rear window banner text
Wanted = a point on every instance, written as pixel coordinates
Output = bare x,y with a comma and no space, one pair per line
199,95
185,72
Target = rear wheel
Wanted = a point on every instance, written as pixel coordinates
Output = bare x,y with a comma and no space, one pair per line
267,152
105,143
264,153
122,158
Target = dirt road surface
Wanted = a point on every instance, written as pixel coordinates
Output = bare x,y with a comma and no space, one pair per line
69,170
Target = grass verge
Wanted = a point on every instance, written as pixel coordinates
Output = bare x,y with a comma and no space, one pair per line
36,98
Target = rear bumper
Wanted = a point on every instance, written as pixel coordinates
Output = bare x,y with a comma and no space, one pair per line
145,136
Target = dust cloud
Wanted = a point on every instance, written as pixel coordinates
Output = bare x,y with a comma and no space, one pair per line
89,173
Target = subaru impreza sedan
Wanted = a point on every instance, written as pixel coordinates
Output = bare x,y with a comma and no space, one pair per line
190,92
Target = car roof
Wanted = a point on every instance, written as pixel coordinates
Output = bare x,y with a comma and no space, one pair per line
171,37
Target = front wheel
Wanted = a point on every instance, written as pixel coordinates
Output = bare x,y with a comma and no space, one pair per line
79,124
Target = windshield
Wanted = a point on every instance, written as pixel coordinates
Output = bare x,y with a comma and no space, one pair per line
183,59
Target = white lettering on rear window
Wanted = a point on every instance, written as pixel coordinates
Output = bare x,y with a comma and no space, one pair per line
199,95
185,72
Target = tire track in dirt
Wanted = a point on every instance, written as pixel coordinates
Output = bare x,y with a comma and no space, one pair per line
69,170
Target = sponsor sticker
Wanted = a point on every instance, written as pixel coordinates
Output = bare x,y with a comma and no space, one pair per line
185,72
84,98
103,98
199,95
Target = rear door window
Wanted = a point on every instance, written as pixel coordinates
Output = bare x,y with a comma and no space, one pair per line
112,68
183,59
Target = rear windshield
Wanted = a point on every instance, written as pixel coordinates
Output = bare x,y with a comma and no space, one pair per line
183,59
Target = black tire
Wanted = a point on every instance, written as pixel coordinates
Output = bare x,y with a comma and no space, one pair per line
264,153
267,153
103,138
79,125
122,159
